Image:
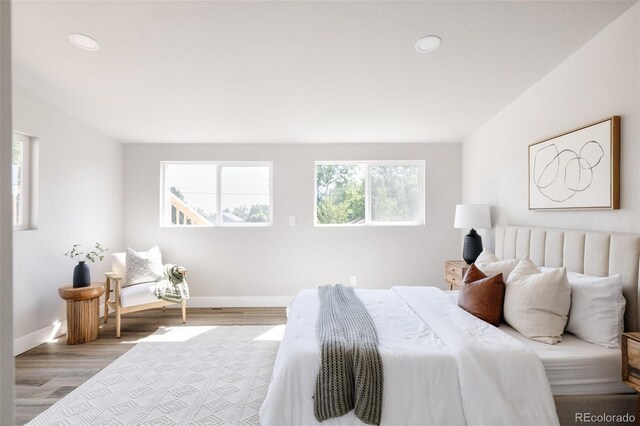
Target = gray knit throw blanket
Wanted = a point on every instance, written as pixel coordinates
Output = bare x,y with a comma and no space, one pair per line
350,375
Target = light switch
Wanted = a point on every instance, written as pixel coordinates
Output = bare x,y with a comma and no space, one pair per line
292,221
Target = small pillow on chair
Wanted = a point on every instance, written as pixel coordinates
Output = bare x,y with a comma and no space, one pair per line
143,266
482,296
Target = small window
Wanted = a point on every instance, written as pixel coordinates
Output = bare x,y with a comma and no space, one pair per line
216,194
245,195
23,181
370,193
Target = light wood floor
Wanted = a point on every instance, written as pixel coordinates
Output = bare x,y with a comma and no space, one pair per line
49,372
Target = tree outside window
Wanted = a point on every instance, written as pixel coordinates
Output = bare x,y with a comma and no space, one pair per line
370,193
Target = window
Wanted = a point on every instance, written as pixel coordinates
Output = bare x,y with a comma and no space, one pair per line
216,193
23,168
370,193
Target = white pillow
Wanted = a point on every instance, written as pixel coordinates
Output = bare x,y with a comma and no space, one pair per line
119,264
537,303
597,308
490,265
143,267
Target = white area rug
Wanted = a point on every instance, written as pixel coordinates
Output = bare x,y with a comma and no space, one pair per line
178,376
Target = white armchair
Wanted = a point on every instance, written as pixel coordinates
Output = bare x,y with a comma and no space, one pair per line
133,298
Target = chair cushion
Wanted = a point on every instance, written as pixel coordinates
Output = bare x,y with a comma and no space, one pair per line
119,264
138,294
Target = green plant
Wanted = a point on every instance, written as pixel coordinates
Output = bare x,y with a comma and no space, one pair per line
96,254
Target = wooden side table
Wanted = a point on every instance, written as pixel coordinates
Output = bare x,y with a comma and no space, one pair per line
630,344
454,271
83,312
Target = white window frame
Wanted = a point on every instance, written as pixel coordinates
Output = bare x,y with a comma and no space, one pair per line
28,202
165,213
367,189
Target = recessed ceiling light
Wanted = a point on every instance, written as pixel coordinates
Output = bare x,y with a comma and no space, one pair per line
84,41
428,43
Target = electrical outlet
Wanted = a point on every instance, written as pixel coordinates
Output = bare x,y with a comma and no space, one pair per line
292,221
353,281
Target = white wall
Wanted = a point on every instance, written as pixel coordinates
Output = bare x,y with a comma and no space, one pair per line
6,302
600,80
80,201
265,266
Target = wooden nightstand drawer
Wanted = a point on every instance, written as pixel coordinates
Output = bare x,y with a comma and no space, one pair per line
631,360
630,350
454,269
453,279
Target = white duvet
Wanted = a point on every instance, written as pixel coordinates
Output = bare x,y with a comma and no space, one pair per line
442,366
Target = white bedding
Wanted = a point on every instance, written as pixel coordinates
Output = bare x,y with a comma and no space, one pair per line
426,380
576,367
573,366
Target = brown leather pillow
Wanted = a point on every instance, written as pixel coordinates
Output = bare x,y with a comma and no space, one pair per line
482,296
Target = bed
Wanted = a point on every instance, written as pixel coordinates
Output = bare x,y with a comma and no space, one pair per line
593,253
415,343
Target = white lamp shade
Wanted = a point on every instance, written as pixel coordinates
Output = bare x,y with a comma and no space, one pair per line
472,216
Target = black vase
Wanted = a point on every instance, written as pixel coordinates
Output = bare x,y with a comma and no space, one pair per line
81,275
472,246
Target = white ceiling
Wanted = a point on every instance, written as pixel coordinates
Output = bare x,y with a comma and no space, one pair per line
267,71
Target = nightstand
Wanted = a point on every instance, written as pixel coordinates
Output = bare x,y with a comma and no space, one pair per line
630,344
454,271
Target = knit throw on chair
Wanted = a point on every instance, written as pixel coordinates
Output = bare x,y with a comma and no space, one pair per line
350,375
173,286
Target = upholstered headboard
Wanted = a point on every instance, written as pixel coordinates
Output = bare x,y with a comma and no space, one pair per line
591,253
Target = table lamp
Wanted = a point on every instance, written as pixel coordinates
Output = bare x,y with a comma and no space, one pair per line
472,216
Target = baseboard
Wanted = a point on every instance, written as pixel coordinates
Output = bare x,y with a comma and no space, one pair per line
238,302
31,340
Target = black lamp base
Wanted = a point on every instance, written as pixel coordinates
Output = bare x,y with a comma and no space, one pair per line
472,246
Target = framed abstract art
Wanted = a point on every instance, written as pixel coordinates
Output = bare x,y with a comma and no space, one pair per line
577,170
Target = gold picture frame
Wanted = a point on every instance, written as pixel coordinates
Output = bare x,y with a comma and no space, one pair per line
577,170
